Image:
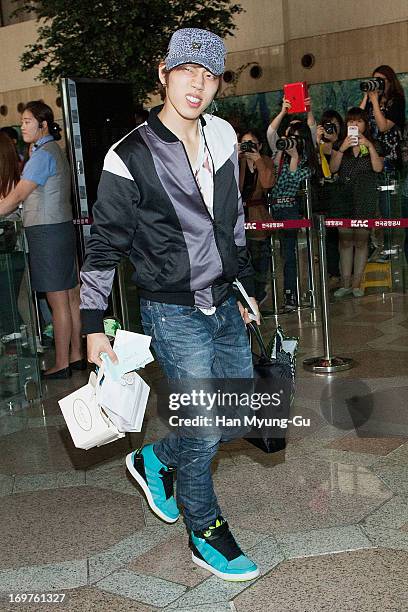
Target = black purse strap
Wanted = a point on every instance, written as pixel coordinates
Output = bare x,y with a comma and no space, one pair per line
254,329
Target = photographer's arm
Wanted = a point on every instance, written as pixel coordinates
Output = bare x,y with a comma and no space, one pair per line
335,160
294,160
311,121
377,162
272,131
382,122
363,102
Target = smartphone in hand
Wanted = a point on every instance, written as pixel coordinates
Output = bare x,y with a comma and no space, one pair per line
352,131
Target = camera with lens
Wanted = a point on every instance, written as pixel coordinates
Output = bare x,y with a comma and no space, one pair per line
248,146
289,142
330,128
374,84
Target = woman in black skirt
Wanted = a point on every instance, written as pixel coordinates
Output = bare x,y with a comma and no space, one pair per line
358,166
44,189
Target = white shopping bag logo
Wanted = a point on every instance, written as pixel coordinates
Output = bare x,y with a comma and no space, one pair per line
82,414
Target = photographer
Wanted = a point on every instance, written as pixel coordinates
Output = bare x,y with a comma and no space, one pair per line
385,105
358,165
256,175
296,160
330,132
272,133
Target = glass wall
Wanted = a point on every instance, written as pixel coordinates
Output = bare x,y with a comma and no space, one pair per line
19,371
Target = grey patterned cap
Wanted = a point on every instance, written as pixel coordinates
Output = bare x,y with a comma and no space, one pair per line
194,46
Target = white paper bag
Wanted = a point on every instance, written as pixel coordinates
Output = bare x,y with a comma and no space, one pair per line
88,425
125,400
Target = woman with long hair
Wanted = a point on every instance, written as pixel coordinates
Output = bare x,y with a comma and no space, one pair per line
386,115
293,166
44,189
256,175
358,166
9,165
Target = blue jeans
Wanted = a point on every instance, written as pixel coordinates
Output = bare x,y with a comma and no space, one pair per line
190,344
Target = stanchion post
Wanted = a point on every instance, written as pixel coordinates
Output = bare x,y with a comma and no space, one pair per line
298,273
310,245
328,364
324,289
273,276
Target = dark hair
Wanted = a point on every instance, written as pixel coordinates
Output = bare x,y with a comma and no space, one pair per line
355,112
253,132
327,117
9,166
10,131
306,147
141,115
42,112
161,89
396,89
287,121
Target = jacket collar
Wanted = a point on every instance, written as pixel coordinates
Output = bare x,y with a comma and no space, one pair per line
160,129
42,141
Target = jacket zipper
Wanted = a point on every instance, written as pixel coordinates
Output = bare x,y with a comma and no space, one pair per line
201,196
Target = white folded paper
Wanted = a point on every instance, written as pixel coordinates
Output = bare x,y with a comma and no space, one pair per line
132,351
125,401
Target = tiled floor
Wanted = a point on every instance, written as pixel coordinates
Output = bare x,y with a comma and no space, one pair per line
327,520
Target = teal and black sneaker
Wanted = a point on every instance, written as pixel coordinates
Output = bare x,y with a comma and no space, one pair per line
156,480
216,550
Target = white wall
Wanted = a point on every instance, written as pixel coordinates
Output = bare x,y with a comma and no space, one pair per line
13,38
261,25
313,17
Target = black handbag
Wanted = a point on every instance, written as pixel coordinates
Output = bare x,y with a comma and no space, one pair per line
273,373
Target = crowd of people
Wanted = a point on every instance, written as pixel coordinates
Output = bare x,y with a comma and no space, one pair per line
169,199
345,173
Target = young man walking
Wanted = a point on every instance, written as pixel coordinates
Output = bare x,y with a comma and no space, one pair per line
168,198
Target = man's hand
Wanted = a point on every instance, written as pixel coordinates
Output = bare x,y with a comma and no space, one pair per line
97,344
245,314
